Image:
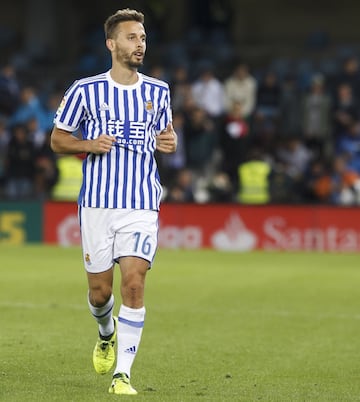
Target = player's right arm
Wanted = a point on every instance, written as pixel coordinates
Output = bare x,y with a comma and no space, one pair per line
63,142
70,113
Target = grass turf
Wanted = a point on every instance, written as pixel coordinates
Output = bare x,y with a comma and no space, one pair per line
220,327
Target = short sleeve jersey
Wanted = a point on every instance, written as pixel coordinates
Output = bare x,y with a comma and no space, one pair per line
127,176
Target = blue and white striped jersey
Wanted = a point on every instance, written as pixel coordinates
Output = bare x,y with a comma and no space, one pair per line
127,176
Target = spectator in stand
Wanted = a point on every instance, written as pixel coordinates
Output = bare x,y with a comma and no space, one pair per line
46,169
181,190
36,134
200,140
316,120
234,140
51,105
240,87
9,90
283,188
20,164
254,178
315,187
188,103
170,164
208,93
4,141
268,97
293,153
267,111
69,179
294,157
29,107
289,106
346,109
158,71
341,186
180,87
350,75
348,145
220,188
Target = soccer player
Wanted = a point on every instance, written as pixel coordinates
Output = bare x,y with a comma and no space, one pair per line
124,116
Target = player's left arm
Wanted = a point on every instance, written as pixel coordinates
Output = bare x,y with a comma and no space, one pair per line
166,141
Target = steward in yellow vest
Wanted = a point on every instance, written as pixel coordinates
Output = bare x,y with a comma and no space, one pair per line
253,177
70,178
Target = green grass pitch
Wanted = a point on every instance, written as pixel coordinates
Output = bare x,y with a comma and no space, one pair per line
269,326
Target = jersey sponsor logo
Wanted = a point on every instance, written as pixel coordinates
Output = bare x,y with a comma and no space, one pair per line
127,132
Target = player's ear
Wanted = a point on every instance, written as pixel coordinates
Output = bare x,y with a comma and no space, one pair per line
110,44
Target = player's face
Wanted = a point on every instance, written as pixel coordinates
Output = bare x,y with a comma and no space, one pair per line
129,45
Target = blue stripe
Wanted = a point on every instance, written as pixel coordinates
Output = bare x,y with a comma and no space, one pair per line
136,105
75,109
98,187
150,177
125,177
116,184
79,217
108,158
143,87
91,178
69,101
133,187
126,150
87,97
126,106
142,175
135,324
116,102
83,185
97,99
117,152
107,183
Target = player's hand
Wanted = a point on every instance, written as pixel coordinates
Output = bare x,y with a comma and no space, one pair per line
102,144
166,141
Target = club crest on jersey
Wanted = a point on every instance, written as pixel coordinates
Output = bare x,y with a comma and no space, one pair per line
87,259
149,107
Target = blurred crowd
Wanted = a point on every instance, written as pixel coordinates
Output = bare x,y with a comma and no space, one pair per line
266,139
243,137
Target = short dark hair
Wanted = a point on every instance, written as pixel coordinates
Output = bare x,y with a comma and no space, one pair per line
125,14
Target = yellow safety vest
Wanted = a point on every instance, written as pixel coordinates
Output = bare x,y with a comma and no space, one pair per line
253,180
70,178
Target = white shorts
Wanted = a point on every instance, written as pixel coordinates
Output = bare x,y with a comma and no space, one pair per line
107,234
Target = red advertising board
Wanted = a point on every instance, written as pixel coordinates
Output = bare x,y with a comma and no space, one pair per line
243,228
61,224
232,227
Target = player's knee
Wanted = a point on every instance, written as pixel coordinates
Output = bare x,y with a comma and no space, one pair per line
134,282
99,295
